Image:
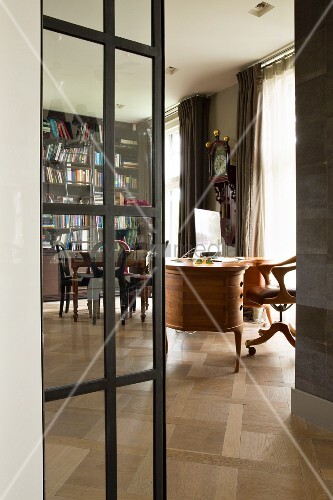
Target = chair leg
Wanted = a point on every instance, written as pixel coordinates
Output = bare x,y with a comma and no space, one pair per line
89,304
123,299
94,310
68,290
268,334
267,308
62,300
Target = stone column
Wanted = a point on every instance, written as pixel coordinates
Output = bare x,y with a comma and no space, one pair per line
313,394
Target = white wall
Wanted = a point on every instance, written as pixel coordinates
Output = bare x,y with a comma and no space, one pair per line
20,351
223,113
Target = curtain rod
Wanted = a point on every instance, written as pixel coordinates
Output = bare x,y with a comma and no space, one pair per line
275,56
171,111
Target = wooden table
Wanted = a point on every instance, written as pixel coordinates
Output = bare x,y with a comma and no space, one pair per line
136,261
206,298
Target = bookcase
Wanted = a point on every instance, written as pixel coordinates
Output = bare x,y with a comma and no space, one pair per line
73,172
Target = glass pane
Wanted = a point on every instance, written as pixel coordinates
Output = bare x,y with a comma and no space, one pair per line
133,129
134,337
75,447
133,20
135,441
73,162
83,12
72,299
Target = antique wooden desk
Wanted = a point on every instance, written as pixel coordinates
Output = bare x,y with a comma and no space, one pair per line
206,298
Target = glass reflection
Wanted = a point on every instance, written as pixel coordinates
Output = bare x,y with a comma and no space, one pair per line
134,341
75,447
133,130
82,12
135,440
73,329
133,20
73,162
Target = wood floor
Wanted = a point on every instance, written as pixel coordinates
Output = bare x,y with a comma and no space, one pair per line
229,436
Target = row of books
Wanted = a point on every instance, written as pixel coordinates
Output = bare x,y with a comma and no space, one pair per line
78,175
125,182
124,222
67,221
60,129
87,132
53,175
57,152
63,129
98,179
99,158
76,155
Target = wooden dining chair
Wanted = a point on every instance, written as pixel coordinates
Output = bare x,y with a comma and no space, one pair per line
66,278
279,296
95,289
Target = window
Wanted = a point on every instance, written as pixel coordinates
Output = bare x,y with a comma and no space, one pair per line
279,159
172,172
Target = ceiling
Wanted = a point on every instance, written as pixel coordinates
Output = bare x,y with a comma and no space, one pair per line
207,41
210,41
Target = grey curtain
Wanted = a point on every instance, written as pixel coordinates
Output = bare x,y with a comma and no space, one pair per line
194,179
249,240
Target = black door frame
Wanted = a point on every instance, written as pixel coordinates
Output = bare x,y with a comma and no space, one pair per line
109,211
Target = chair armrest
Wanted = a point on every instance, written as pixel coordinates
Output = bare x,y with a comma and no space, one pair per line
266,269
279,273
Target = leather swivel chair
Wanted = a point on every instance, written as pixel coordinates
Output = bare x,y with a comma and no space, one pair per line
279,296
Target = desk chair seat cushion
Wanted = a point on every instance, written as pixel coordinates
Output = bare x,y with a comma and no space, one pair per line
259,294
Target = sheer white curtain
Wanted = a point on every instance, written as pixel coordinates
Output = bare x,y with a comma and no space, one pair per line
279,159
172,193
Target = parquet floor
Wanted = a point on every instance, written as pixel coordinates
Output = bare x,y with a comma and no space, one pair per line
229,436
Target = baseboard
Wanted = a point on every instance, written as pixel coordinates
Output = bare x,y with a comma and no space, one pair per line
317,410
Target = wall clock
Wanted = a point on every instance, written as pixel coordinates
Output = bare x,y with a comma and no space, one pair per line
223,177
219,152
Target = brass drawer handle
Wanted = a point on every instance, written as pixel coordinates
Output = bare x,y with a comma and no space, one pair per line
241,307
241,283
241,295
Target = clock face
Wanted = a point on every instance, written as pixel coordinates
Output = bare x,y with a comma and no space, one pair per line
220,161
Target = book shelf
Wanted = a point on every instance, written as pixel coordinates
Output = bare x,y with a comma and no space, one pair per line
73,172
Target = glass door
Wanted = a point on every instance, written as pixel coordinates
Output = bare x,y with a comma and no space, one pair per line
103,249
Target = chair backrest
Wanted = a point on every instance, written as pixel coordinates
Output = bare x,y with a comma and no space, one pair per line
63,261
97,271
120,259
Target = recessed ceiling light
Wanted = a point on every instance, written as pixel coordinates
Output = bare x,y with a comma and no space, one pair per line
261,8
171,70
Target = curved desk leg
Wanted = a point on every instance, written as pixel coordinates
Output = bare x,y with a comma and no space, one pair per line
238,343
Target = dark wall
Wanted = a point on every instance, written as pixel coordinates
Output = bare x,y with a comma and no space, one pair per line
314,153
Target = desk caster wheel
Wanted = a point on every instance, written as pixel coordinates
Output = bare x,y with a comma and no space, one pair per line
252,351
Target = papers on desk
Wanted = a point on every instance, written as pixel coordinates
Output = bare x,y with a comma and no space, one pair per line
215,259
227,259
183,259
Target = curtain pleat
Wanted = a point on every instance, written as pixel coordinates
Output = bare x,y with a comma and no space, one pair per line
194,178
249,240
